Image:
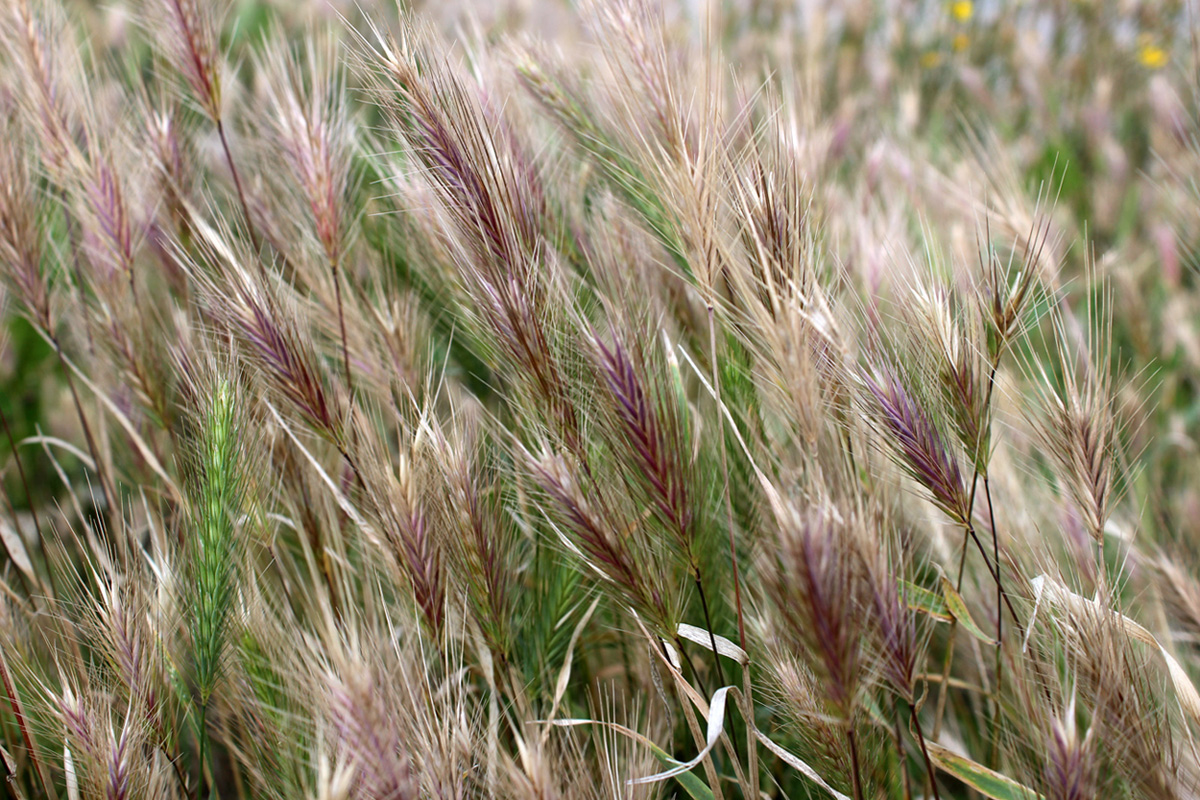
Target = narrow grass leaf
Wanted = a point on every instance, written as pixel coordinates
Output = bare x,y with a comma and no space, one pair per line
926,602
958,609
983,780
696,788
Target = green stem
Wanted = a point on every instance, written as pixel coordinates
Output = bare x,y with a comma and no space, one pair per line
924,750
202,747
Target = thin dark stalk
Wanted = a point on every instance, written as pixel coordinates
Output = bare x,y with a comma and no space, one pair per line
898,739
237,183
987,492
180,777
855,769
962,558
969,532
916,721
712,638
987,404
995,576
970,529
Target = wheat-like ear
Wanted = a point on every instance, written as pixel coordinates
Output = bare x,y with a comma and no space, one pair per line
1077,426
216,504
310,123
22,229
192,48
560,343
917,442
38,37
816,583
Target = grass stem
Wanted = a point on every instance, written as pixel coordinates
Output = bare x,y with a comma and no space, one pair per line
237,183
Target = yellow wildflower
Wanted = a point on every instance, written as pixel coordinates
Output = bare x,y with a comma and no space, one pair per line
962,10
930,59
961,42
1152,56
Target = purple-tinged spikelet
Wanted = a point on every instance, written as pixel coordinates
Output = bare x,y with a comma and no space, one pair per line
894,622
294,374
273,340
370,737
1069,767
594,536
656,449
108,229
816,585
40,63
193,47
921,448
21,231
310,123
119,784
410,528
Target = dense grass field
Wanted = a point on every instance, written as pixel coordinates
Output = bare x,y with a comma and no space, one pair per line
571,399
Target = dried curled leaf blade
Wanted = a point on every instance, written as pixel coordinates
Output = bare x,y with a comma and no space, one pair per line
958,609
705,639
716,724
918,598
612,726
796,764
983,780
692,784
